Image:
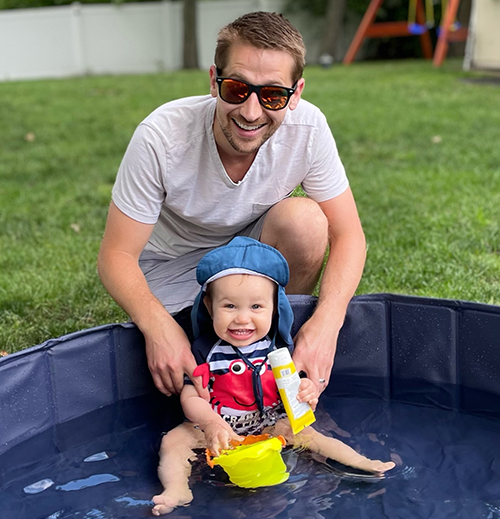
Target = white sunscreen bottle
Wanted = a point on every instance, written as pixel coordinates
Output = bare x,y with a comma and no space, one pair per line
287,379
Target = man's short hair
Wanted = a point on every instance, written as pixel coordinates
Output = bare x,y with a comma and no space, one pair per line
262,30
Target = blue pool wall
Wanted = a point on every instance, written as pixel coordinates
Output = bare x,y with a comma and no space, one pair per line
422,351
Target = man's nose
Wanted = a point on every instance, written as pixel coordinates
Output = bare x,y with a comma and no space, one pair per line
251,109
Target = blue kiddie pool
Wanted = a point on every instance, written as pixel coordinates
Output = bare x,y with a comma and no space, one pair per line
416,380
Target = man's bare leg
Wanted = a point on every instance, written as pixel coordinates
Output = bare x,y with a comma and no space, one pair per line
330,448
298,228
174,469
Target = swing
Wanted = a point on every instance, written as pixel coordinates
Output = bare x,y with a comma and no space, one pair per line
416,25
448,31
418,28
454,26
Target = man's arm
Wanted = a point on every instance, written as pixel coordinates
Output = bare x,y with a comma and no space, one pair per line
167,346
316,341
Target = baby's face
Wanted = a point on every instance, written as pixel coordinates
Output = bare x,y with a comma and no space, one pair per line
241,307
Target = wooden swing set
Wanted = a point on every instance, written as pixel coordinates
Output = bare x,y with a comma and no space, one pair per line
420,20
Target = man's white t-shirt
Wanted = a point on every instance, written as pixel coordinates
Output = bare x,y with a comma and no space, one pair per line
172,175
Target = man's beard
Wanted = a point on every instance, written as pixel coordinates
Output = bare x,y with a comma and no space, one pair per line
236,144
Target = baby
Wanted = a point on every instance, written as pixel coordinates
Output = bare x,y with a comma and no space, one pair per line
240,315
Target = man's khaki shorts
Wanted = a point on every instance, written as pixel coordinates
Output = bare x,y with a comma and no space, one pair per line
173,281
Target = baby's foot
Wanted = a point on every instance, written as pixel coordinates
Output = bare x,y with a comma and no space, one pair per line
168,500
376,466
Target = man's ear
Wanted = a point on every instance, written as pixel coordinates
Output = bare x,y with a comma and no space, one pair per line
207,301
213,83
294,100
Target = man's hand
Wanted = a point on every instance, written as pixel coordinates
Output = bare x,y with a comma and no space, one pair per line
315,346
169,357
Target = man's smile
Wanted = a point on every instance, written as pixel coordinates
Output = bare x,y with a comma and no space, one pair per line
248,127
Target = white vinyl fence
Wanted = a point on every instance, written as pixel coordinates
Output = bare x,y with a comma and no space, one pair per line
80,39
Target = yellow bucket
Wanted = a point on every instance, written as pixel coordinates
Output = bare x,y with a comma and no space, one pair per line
255,462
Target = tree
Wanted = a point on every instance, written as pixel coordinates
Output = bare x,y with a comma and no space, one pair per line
190,47
334,25
333,13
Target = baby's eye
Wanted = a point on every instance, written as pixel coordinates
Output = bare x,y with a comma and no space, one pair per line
256,306
228,305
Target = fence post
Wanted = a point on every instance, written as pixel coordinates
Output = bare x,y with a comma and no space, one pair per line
163,64
76,32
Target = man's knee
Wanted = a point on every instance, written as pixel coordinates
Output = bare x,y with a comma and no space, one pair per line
298,228
298,222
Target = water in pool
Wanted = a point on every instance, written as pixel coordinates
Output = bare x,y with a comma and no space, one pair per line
448,466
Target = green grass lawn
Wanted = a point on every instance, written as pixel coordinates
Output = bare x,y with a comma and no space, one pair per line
421,147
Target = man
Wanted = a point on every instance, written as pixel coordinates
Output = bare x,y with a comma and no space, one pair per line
200,170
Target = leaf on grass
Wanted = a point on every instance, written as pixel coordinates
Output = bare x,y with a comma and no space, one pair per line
30,137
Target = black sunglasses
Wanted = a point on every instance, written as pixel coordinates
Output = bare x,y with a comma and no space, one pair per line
236,91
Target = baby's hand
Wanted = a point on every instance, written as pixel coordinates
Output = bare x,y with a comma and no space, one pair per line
218,436
308,393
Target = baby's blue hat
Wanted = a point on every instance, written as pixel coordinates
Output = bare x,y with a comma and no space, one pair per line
244,255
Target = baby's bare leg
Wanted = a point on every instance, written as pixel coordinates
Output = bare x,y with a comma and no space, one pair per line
174,469
330,448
